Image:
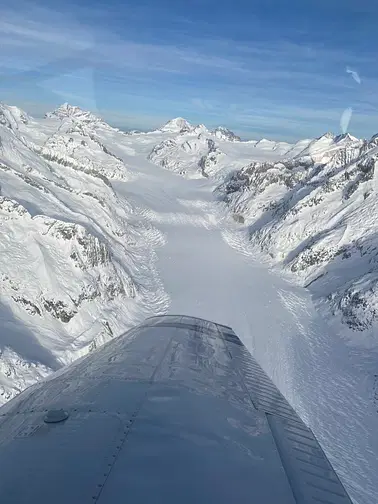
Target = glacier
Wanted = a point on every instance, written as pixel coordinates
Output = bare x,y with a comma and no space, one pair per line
101,228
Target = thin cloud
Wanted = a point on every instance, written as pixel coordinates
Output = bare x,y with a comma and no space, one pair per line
232,82
57,34
345,119
354,74
23,32
202,105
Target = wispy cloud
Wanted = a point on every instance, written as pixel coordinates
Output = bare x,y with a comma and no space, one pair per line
204,105
276,83
43,26
354,74
15,32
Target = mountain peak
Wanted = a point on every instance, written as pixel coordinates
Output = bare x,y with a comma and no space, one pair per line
176,125
345,136
264,141
327,135
225,134
72,111
200,128
12,116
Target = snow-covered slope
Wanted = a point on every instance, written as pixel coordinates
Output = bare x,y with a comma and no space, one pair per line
309,206
190,155
72,254
98,229
315,215
225,134
177,125
195,151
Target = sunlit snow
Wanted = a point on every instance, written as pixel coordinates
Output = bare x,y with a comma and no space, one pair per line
100,229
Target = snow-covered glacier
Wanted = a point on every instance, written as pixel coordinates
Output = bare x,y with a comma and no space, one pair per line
100,228
314,215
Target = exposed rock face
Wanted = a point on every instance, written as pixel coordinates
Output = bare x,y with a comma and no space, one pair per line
65,241
314,215
209,162
192,156
226,134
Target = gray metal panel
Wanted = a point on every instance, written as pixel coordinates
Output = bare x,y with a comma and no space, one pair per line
174,411
197,325
190,448
161,319
200,362
264,394
62,463
310,473
133,357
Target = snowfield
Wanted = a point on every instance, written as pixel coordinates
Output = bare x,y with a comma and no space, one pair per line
100,229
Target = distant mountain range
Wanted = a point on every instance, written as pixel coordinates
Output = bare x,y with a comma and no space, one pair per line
77,267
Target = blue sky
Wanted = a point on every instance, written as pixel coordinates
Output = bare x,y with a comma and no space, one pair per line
272,68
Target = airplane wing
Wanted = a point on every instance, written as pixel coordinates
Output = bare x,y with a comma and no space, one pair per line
174,411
